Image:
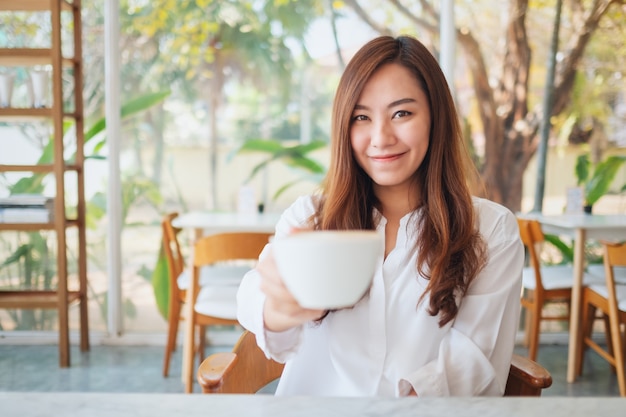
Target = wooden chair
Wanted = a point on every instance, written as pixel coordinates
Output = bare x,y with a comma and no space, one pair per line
246,370
179,281
177,292
610,299
543,284
216,304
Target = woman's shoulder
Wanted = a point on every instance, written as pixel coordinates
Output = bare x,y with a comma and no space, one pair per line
495,221
298,213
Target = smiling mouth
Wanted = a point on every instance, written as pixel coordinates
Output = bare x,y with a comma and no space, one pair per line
386,158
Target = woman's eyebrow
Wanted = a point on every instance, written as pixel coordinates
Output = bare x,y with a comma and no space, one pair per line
401,101
391,105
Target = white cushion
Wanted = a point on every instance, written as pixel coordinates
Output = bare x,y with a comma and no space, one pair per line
556,277
218,301
620,290
619,272
214,275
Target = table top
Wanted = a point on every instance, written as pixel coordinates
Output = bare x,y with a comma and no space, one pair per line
227,221
31,404
596,226
588,221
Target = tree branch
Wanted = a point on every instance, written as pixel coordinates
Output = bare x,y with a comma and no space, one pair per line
566,73
511,94
428,8
333,24
433,28
492,127
363,15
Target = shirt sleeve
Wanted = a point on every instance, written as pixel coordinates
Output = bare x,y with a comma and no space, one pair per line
279,346
474,356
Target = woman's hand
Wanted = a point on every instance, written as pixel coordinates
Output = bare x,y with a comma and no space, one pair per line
281,311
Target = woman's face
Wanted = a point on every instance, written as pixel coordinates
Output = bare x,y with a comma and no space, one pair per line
390,127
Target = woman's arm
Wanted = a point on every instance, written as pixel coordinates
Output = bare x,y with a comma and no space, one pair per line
264,305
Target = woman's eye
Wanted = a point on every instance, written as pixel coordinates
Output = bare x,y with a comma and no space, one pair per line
401,113
359,118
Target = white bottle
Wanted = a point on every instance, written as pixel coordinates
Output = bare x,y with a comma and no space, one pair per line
246,201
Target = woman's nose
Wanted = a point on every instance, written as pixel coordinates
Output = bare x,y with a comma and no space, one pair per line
382,135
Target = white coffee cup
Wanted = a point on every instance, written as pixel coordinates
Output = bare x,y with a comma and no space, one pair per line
40,83
328,269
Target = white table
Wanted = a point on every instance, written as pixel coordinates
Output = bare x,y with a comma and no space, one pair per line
203,223
207,222
580,227
36,404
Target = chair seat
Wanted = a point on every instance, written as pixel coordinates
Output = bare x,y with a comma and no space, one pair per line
620,291
618,271
218,301
557,277
216,275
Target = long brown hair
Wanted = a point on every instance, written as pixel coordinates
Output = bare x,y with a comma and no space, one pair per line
450,250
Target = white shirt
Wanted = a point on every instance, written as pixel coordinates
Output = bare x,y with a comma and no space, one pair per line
387,342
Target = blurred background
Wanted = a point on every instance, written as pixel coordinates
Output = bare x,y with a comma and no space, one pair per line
216,95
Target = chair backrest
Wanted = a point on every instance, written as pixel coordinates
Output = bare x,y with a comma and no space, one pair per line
222,247
246,370
225,247
614,255
532,237
173,253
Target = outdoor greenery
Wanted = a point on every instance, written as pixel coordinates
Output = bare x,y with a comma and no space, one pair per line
596,180
294,156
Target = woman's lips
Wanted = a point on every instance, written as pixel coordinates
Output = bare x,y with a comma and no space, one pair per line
386,158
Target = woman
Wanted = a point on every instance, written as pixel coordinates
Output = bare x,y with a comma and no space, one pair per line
442,312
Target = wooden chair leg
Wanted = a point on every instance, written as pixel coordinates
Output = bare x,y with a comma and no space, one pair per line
201,343
189,347
527,326
587,315
609,337
172,332
619,355
534,334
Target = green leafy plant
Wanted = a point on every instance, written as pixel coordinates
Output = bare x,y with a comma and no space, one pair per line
294,156
597,183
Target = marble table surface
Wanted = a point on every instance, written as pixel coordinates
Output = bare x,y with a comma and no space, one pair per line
35,404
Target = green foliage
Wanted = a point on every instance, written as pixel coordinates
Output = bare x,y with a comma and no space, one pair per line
566,251
22,252
597,183
34,184
593,250
161,284
129,109
294,156
198,39
134,190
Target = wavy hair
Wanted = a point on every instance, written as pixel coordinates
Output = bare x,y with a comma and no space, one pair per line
451,252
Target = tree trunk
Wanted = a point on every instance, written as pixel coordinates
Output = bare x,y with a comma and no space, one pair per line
509,133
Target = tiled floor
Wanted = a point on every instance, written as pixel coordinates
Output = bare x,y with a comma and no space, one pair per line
138,369
597,379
